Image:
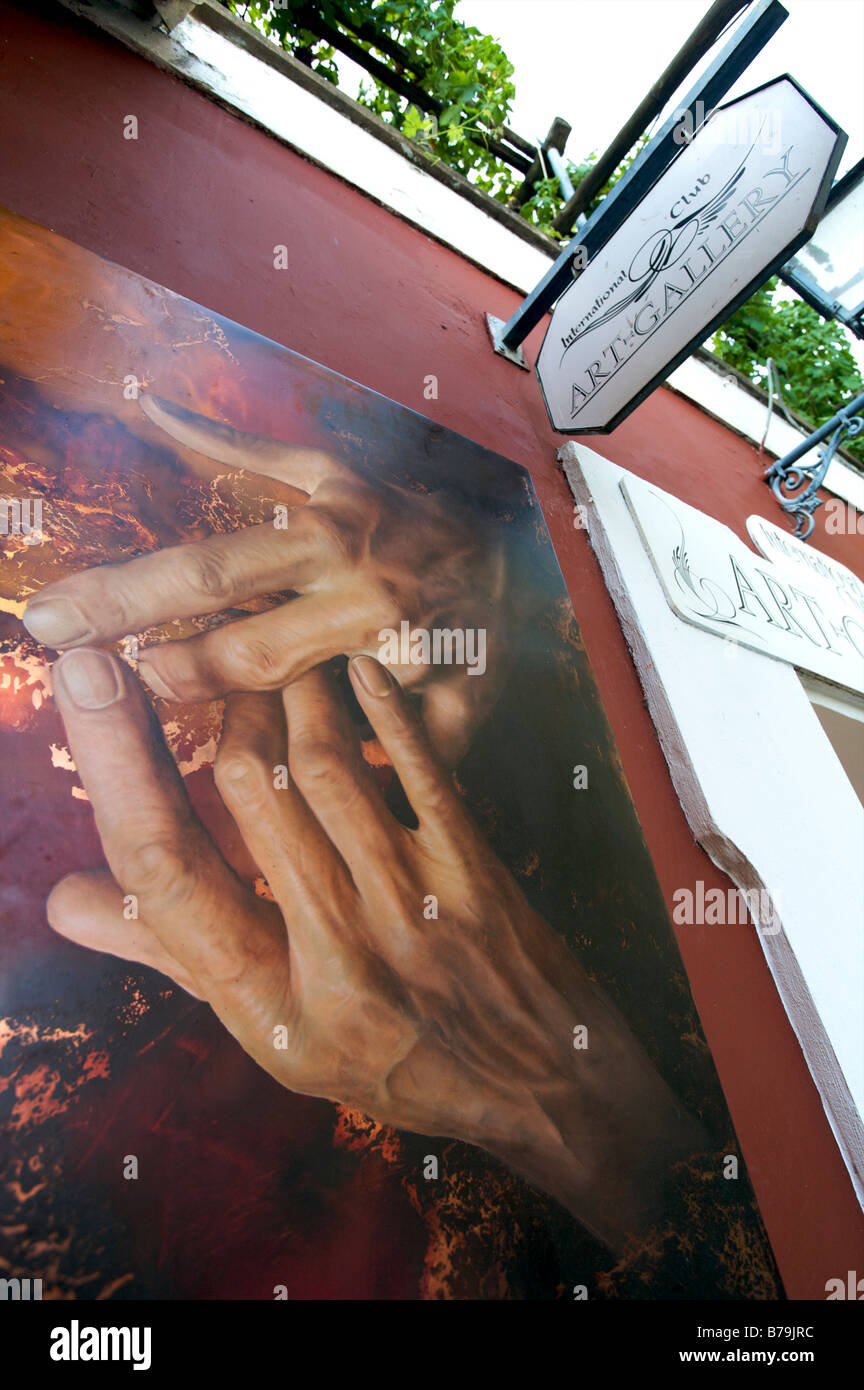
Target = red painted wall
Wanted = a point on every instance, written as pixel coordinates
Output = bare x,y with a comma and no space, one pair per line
198,203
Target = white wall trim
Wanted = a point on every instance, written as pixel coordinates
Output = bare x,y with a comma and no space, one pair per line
841,701
723,397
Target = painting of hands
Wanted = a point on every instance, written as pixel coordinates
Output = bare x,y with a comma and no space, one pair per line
292,699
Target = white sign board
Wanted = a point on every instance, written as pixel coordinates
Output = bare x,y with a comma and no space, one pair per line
778,606
738,200
763,790
777,544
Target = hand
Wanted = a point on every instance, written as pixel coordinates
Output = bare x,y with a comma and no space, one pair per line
363,557
456,1021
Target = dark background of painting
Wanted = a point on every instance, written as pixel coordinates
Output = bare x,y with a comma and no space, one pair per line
243,1186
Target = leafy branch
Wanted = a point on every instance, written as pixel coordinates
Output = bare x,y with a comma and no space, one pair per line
816,370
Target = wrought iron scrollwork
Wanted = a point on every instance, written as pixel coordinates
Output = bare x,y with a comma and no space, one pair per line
796,485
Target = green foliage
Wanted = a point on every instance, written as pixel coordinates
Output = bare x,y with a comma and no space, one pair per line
280,22
466,74
816,370
546,200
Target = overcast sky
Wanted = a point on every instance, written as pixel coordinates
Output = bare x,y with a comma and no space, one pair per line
592,61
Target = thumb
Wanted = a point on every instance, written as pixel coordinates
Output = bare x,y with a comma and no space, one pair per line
301,468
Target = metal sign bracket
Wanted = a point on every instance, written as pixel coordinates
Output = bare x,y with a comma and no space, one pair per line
496,328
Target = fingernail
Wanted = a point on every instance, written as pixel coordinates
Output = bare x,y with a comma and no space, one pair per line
91,679
155,682
148,401
373,677
55,621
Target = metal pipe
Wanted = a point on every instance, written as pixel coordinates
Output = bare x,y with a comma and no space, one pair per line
559,169
559,130
816,437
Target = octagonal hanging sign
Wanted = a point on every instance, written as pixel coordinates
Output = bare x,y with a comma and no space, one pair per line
745,192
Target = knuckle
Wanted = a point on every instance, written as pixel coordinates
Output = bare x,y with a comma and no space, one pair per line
237,775
105,592
314,760
405,731
333,538
434,797
204,574
254,661
410,744
159,867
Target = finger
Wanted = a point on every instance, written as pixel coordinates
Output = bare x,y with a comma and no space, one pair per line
452,712
182,581
263,652
90,909
306,874
426,782
156,847
326,763
303,468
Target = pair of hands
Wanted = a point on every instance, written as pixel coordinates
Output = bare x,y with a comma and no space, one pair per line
457,1024
360,556
454,1021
